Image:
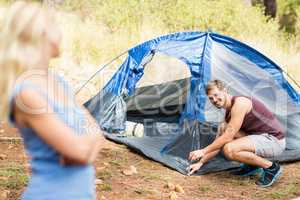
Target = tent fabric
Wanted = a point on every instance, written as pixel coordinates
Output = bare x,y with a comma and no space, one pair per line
167,109
146,103
172,150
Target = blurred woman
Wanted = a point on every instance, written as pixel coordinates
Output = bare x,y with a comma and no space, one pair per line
61,138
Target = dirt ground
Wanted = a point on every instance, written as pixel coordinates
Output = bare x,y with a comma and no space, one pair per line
149,182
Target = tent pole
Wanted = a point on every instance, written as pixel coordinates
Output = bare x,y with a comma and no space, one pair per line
290,77
99,70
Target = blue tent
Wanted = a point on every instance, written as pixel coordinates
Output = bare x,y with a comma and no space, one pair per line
168,137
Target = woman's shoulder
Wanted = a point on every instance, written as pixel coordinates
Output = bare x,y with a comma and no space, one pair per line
26,102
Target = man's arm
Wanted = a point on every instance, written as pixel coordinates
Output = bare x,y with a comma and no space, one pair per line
240,108
196,166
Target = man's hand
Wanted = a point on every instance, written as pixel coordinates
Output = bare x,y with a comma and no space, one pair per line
193,168
195,155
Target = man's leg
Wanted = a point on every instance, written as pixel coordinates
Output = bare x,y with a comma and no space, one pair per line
243,150
251,150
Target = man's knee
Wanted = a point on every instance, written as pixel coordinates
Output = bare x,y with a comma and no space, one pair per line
229,151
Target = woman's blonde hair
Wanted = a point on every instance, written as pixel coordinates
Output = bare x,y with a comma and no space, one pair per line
21,35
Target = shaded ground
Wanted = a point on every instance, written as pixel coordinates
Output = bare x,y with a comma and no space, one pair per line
149,183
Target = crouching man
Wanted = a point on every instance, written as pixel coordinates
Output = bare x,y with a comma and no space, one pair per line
250,134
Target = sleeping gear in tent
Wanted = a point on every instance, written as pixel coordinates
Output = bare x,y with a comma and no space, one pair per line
176,114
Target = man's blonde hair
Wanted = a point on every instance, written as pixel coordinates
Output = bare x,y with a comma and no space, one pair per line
214,83
22,29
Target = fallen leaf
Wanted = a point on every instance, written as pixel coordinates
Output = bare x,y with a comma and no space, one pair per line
98,181
128,172
3,178
173,195
170,186
100,168
179,189
4,194
3,156
133,169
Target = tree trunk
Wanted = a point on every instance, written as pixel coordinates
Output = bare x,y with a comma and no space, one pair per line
270,8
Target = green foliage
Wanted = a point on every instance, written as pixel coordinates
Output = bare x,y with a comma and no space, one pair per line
225,16
289,12
96,31
104,175
122,24
285,5
205,189
14,177
105,187
6,2
230,17
143,191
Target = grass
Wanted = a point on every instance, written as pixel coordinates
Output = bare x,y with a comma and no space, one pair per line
104,187
13,177
151,178
145,191
104,175
289,189
205,188
96,31
242,181
154,176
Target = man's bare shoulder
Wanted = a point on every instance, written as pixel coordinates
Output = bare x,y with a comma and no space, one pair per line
242,100
242,103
